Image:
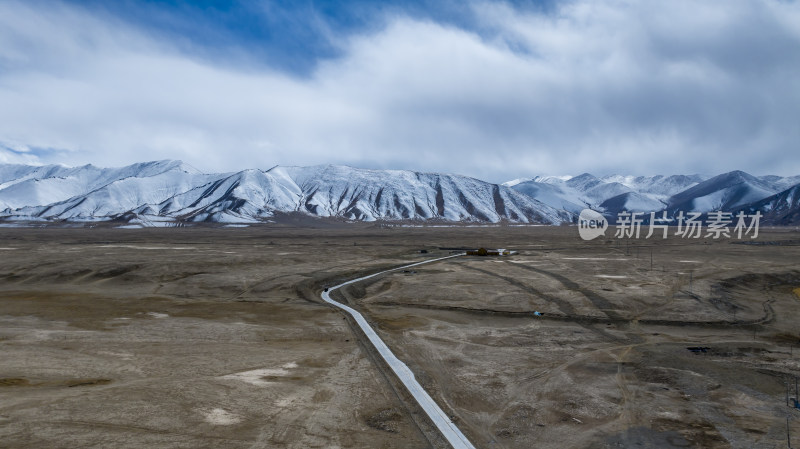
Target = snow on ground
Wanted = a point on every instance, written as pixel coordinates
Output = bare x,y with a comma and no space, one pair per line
257,376
221,417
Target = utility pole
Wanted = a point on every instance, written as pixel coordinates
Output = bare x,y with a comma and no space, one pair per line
788,435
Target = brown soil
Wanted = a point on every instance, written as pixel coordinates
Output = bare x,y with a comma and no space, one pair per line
131,338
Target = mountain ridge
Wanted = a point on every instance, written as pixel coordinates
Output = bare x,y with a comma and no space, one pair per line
159,190
613,194
172,191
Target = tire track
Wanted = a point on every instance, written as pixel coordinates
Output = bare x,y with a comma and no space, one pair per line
599,301
564,306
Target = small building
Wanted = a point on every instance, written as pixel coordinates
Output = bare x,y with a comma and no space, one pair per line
490,252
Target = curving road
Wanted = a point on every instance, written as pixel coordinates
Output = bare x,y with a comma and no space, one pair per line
436,414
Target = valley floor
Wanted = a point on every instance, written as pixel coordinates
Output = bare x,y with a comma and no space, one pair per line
210,337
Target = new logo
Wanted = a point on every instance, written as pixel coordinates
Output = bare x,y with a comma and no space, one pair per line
591,224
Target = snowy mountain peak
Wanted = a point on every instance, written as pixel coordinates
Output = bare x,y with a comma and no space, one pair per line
146,168
174,190
722,192
583,182
615,193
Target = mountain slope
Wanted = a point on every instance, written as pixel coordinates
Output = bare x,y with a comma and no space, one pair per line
552,194
657,187
248,195
397,194
782,208
608,194
631,202
36,186
781,183
169,189
108,192
724,192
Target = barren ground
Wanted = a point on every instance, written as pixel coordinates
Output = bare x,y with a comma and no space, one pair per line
210,337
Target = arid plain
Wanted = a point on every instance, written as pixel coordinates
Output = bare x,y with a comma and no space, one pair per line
217,337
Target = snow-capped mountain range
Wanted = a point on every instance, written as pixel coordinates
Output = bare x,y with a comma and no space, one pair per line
610,195
161,191
170,191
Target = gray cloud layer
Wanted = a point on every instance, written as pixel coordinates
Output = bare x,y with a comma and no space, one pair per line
603,86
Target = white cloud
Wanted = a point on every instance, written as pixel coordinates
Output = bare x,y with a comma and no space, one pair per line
13,153
602,86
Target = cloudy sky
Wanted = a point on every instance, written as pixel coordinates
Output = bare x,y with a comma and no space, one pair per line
496,90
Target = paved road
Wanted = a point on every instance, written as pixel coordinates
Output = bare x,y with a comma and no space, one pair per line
437,415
